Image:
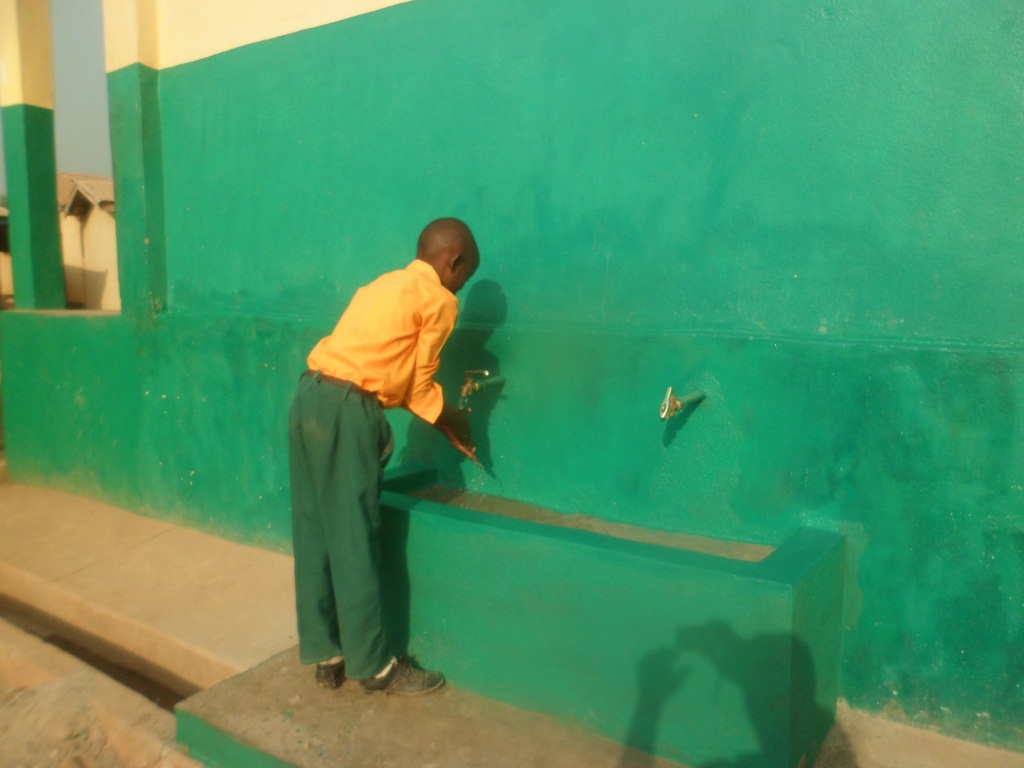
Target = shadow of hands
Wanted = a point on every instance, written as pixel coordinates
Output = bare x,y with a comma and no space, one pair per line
659,677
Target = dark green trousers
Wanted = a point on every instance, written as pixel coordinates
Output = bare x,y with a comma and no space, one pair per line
337,443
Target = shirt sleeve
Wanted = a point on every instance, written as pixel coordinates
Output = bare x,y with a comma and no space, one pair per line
425,398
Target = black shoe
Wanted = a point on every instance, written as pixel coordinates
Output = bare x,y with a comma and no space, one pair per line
330,675
403,678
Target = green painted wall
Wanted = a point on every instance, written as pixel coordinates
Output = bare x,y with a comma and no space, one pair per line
175,417
654,165
809,210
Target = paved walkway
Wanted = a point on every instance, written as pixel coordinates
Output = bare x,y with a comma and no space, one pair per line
188,608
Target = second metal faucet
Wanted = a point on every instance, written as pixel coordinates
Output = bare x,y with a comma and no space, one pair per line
671,405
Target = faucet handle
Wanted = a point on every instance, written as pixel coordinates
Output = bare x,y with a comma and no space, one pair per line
470,384
671,405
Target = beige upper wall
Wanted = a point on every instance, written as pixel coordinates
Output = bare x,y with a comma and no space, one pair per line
26,53
130,33
164,33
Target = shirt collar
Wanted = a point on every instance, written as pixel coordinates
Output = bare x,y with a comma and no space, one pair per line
420,266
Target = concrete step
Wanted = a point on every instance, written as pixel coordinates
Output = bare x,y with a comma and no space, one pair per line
275,715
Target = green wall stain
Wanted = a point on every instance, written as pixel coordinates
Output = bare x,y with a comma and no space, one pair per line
800,209
32,191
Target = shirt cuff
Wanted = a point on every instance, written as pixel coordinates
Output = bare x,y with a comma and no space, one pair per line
429,406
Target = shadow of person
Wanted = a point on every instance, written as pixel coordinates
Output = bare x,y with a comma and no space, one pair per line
658,677
749,664
484,310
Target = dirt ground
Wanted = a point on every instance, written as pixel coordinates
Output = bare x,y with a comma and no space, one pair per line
55,726
57,711
860,740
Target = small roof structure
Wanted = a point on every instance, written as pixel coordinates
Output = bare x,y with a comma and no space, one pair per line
77,192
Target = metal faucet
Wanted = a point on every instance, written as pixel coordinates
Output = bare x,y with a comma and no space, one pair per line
671,405
470,385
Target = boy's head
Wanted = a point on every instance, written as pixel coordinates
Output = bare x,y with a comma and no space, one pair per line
449,247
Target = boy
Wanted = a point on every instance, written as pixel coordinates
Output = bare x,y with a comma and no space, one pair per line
383,353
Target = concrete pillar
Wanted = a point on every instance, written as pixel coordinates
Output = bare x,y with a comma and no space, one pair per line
130,33
26,103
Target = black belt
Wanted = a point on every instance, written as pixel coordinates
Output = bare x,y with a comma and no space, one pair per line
342,383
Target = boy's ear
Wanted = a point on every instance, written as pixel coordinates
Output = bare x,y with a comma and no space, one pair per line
458,260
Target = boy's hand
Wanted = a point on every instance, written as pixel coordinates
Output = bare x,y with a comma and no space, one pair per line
454,424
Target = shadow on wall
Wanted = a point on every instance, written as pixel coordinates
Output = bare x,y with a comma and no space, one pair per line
663,672
676,423
396,591
483,311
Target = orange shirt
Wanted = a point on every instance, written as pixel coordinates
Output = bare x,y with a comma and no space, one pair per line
389,339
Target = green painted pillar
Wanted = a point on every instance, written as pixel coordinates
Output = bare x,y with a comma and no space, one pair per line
26,107
138,179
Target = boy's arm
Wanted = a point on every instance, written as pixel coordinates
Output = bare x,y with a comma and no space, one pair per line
425,398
